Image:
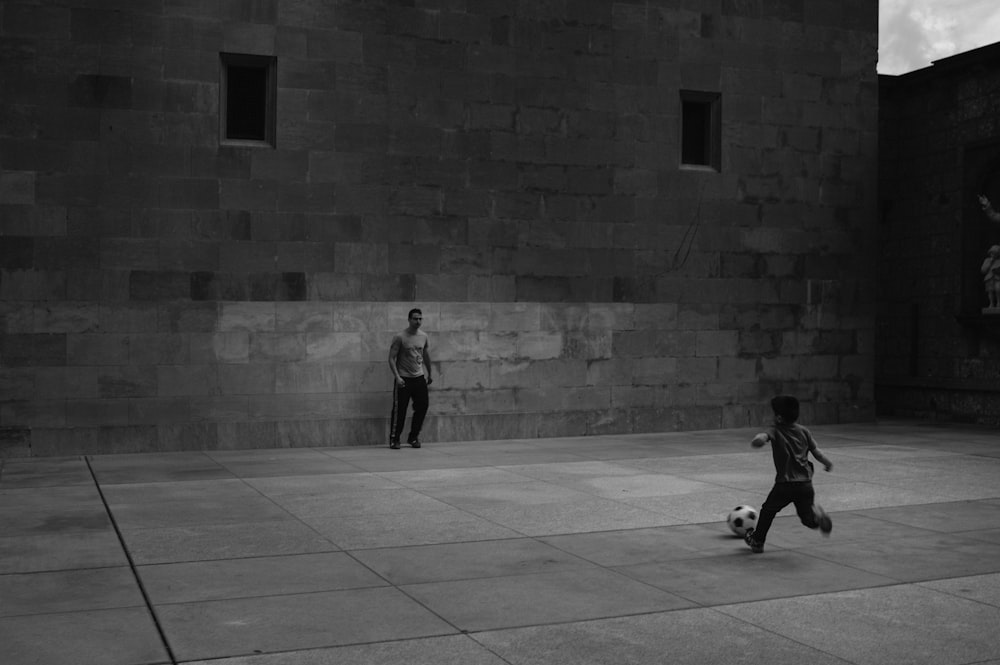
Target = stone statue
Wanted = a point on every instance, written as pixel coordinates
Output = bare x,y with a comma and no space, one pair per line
988,210
991,278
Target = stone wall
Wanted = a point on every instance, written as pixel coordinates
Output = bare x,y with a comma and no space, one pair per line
510,167
938,354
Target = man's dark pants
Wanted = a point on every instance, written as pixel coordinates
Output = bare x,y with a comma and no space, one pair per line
414,388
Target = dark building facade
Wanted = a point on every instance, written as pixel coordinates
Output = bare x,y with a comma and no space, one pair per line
616,216
938,353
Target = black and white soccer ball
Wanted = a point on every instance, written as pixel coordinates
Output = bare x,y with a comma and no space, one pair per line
742,518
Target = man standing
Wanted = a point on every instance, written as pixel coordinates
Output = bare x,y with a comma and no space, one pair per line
410,362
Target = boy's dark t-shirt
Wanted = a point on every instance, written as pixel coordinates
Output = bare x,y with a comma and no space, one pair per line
790,446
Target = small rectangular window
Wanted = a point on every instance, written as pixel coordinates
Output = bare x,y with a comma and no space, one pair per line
247,101
701,129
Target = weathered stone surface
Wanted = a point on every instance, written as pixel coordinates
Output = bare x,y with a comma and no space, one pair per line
509,168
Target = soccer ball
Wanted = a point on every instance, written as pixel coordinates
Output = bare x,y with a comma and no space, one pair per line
742,518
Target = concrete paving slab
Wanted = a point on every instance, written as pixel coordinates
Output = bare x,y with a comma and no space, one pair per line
123,636
528,493
558,473
68,591
223,541
524,600
328,485
787,531
305,621
637,546
182,512
951,517
708,507
263,465
690,637
989,535
954,489
353,532
481,456
639,485
458,561
451,650
360,502
578,515
47,472
50,497
382,458
252,577
431,478
53,519
894,455
742,576
835,495
68,549
156,467
980,588
914,558
897,625
537,542
179,490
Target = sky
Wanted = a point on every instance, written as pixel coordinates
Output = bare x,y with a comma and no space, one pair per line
913,33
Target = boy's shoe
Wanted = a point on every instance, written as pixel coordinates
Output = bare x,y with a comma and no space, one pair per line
824,521
414,442
755,546
394,444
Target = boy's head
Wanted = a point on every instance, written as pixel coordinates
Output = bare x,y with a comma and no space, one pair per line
785,407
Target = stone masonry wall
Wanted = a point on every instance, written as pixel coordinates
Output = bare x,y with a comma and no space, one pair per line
511,167
937,355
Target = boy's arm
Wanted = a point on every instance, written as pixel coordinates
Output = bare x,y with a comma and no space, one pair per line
760,440
827,464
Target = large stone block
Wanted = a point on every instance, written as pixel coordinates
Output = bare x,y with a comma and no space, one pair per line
247,434
160,411
323,347
249,317
220,408
249,379
33,413
78,317
558,372
717,343
33,350
187,380
98,412
97,349
229,347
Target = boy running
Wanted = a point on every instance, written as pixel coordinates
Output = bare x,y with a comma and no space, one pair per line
791,444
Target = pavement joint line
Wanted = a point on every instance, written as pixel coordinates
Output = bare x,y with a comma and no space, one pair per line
131,563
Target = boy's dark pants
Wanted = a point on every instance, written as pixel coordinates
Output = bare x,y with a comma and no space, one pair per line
415,388
801,494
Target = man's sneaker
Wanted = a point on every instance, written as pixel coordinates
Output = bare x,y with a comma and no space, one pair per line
414,442
394,444
755,546
823,520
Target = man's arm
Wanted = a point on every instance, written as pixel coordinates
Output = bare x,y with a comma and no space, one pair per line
393,355
427,362
760,440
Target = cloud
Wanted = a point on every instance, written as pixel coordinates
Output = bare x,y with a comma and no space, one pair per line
914,33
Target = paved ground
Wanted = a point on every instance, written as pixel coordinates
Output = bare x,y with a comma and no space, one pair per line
604,550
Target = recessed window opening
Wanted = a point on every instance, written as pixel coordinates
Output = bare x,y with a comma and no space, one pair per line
701,133
247,104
